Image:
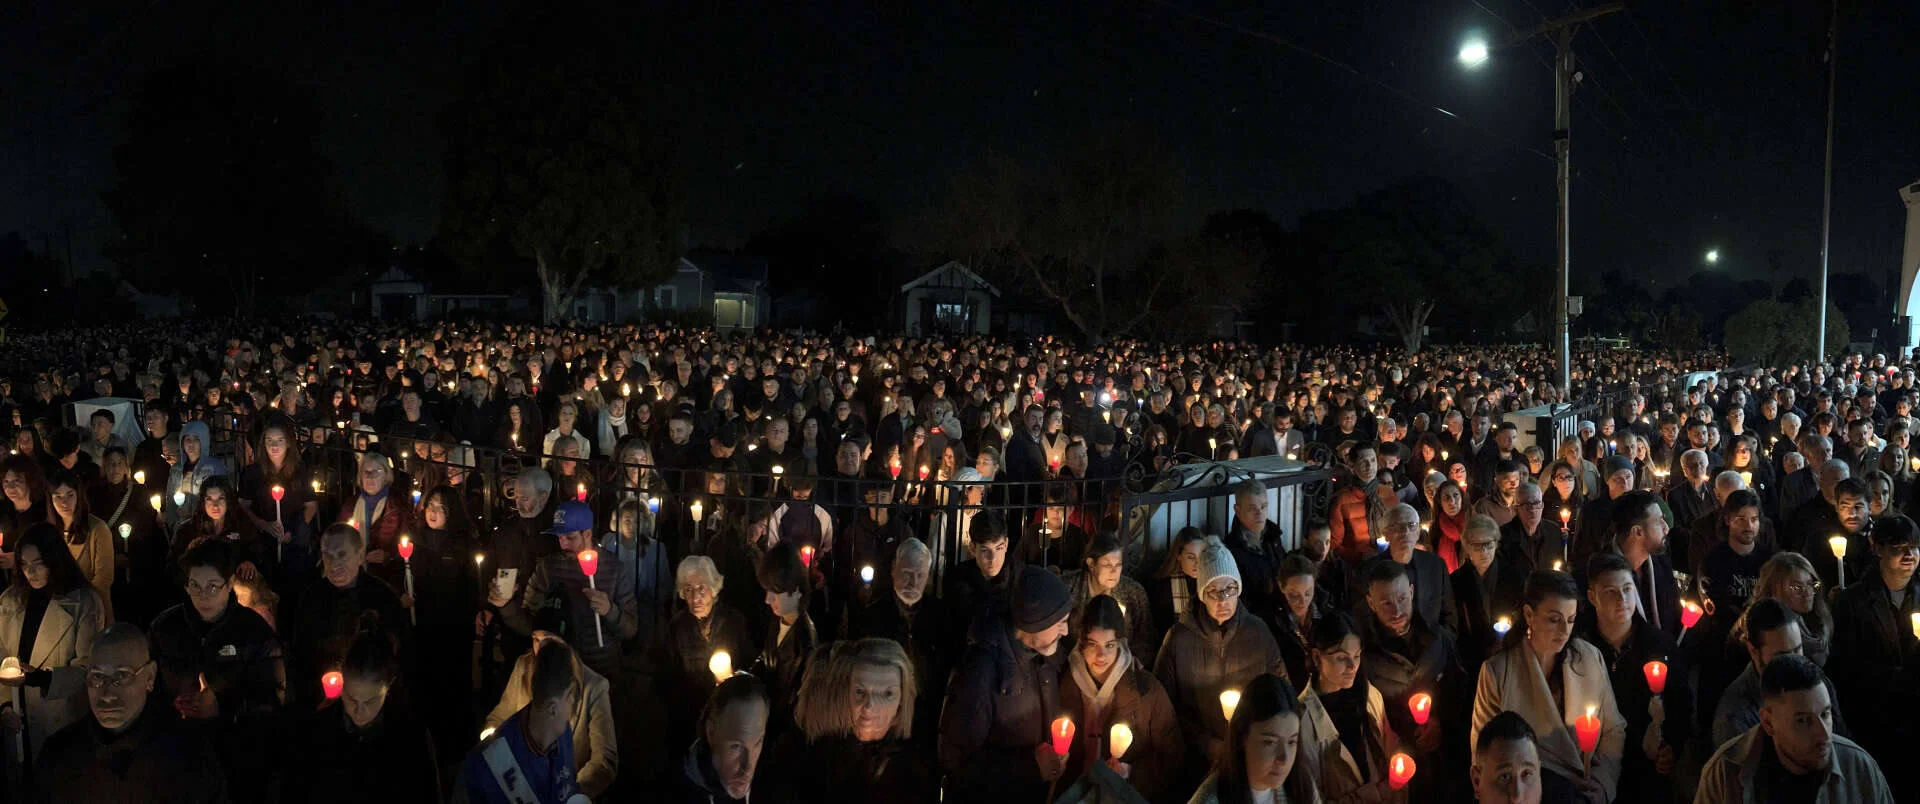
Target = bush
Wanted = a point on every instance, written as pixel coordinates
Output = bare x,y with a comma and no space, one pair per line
1776,333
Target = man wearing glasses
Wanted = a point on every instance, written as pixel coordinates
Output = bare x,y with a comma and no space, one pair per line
1875,657
124,752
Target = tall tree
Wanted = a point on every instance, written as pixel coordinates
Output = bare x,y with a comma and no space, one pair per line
555,155
1774,333
220,191
1077,230
1413,250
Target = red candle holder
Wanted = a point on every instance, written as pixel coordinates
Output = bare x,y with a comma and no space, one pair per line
1656,672
1400,770
1062,733
332,683
589,562
1421,705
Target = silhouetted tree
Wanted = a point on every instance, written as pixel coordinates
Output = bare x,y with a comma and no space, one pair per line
554,154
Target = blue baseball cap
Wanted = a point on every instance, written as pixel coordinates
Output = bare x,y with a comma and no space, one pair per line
572,516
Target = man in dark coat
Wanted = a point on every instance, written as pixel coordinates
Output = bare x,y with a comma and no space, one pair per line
1875,658
126,750
1629,642
1432,590
1005,694
902,610
1640,536
1255,542
334,609
1488,586
1405,653
1596,517
1532,540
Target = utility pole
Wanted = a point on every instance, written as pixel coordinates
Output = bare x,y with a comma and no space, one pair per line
1565,78
1826,190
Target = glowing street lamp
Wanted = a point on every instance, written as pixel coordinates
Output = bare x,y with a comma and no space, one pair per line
1474,53
1713,256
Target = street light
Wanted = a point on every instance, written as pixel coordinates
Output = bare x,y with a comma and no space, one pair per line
1713,256
1474,53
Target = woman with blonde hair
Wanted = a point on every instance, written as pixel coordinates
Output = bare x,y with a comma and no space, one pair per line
855,727
1789,578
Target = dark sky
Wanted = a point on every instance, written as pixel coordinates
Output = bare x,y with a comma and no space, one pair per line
1699,125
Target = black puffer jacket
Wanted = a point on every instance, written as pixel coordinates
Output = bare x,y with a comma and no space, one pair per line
1199,659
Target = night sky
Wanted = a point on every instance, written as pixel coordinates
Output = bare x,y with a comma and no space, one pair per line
1699,126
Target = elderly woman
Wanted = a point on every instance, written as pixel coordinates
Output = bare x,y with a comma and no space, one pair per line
596,754
855,718
695,635
48,619
1107,685
1213,648
380,512
1553,678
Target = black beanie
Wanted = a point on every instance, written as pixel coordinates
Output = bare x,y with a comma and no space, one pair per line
1040,599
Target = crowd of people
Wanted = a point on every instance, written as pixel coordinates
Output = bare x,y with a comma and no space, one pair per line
335,561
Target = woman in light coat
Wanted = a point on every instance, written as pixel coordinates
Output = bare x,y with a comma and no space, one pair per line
1515,679
87,537
1339,775
51,690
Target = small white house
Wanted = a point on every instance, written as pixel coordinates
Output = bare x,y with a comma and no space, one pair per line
949,299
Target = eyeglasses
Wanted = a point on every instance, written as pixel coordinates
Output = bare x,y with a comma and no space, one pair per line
98,678
1799,588
206,590
1221,594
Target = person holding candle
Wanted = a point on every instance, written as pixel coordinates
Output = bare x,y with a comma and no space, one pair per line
381,513
1542,647
1841,510
364,746
1303,605
1487,586
334,608
790,636
1595,531
559,581
920,623
534,746
1536,536
1795,753
86,536
216,516
194,467
1345,739
287,520
1218,647
1627,643
1408,654
854,743
1506,762
512,551
48,618
705,626
1433,593
126,749
1003,696
1874,654
1261,760
1107,685
219,660
634,544
590,718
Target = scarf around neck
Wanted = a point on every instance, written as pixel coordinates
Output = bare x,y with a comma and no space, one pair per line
1099,697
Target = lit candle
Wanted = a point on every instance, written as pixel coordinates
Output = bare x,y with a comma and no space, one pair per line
721,665
866,574
1502,626
1400,770
1838,544
316,487
1656,672
590,566
895,468
1062,733
653,505
924,470
331,683
696,509
1587,729
140,478
580,492
155,502
1689,614
1421,704
1566,517
406,559
1119,739
1229,701
806,556
179,499
1916,624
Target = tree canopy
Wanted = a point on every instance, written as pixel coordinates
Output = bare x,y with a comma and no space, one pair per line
1777,333
555,156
